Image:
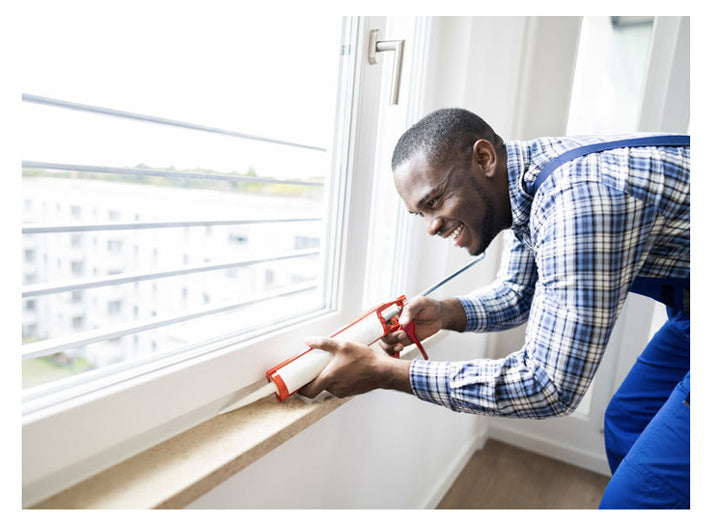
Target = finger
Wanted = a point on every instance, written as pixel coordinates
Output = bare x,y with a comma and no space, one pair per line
391,348
413,309
395,337
327,344
310,390
313,388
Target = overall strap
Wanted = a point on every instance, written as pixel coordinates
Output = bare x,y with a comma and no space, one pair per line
660,140
673,292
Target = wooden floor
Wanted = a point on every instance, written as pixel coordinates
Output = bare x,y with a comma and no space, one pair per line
500,476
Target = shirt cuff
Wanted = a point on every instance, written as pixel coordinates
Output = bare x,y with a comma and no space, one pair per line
430,381
476,315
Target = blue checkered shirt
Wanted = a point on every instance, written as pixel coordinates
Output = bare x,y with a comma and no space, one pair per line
573,252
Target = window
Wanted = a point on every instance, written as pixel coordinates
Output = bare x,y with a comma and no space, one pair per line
173,138
248,154
114,307
610,75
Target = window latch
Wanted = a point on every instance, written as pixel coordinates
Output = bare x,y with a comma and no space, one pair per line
398,46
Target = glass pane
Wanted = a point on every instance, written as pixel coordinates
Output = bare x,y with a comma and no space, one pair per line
255,98
610,72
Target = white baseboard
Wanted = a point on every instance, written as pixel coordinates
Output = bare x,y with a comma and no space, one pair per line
573,456
460,461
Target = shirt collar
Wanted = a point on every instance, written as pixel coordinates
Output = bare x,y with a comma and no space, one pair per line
518,161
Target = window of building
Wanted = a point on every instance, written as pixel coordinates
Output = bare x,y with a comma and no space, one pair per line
114,307
77,267
115,246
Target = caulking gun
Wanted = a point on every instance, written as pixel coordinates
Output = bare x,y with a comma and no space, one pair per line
286,378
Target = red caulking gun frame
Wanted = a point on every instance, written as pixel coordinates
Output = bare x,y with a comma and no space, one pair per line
286,378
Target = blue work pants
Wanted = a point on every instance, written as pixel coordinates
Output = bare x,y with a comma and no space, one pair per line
647,426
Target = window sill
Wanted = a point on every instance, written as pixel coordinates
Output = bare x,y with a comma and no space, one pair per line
179,470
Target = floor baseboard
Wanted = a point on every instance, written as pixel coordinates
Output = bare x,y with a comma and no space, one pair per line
582,459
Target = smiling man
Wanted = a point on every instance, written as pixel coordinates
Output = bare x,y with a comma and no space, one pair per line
589,220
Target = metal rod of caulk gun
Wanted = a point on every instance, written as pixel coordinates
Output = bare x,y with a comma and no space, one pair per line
438,285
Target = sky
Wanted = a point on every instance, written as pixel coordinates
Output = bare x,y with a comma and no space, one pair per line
257,75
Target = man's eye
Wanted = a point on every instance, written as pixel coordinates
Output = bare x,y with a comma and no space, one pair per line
432,202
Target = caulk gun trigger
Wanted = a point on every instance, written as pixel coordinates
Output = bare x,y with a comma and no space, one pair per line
409,329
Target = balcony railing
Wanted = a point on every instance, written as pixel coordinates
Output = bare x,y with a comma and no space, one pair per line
75,340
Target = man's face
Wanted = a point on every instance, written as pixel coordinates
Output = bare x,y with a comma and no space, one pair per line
452,199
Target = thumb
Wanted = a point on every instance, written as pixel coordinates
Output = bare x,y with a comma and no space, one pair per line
412,310
327,344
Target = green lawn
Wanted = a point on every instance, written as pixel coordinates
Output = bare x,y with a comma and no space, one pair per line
48,368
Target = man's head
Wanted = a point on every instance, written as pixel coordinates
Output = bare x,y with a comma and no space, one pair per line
449,168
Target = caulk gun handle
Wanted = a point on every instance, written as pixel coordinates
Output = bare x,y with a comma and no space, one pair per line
409,329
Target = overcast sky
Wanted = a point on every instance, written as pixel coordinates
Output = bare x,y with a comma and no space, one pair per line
263,76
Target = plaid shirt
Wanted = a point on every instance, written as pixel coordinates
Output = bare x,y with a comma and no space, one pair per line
573,252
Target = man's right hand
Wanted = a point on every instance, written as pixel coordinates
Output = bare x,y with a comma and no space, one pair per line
430,316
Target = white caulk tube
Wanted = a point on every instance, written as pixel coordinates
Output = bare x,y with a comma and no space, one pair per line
297,372
291,375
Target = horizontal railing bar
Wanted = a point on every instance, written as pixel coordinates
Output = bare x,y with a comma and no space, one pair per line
148,172
59,391
37,290
30,98
51,346
139,225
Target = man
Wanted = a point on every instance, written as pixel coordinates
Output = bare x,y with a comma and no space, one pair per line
587,224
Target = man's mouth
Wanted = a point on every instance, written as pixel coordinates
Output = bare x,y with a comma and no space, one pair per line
455,233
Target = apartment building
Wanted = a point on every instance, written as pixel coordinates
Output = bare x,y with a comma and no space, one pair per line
80,256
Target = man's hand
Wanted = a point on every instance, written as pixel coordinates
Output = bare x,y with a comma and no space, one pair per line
356,369
430,316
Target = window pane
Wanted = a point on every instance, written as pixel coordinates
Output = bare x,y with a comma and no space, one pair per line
175,184
610,72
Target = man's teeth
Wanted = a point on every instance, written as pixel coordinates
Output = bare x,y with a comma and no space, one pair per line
455,233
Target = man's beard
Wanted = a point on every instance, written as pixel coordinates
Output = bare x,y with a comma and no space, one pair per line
487,233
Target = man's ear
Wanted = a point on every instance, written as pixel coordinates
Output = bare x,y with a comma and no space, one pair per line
484,157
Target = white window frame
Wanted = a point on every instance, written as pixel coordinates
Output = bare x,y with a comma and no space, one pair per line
74,438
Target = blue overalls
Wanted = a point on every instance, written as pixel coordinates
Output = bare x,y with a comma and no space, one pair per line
647,423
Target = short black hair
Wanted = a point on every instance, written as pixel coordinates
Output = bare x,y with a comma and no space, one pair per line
441,134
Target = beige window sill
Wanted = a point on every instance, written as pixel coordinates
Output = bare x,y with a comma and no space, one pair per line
179,470
176,472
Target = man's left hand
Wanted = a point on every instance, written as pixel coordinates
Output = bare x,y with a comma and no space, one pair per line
356,369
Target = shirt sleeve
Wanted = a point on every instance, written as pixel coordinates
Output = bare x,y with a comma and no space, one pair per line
504,303
589,239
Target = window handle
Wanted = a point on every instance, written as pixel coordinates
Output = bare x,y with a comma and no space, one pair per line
374,47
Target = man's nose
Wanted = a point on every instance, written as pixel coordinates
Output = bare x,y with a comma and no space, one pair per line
434,224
